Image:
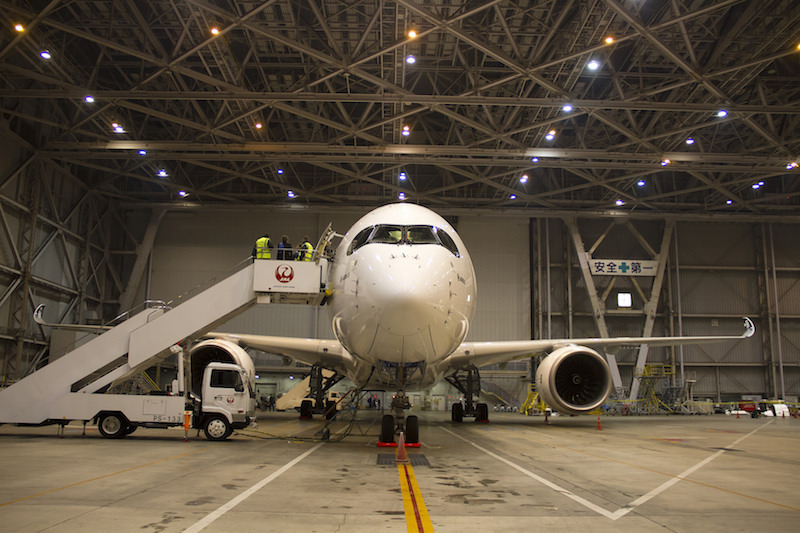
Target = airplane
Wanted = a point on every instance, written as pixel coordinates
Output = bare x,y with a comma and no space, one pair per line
402,295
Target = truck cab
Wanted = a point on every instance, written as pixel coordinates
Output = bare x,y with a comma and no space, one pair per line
227,400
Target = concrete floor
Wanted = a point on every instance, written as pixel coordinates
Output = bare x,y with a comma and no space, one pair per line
691,473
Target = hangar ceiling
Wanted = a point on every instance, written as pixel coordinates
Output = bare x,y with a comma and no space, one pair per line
311,97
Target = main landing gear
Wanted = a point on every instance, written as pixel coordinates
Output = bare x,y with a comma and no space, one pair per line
468,382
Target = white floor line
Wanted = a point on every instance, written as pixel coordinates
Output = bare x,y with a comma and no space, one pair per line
622,511
209,518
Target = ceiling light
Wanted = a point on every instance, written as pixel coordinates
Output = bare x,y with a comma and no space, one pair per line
567,108
119,129
214,30
259,125
142,152
513,197
593,64
45,54
665,162
729,202
760,183
89,99
792,165
412,34
722,113
411,60
641,183
279,171
550,135
523,178
756,186
19,27
402,176
162,173
183,194
401,196
535,159
290,194
690,141
609,40
406,131
620,202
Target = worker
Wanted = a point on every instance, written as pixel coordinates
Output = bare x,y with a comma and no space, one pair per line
305,249
285,249
262,249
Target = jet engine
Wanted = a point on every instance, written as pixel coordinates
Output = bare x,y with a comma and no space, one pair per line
573,380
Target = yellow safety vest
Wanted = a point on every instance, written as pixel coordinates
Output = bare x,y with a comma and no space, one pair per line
262,248
305,253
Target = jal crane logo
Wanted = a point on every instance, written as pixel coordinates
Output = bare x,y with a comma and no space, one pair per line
284,273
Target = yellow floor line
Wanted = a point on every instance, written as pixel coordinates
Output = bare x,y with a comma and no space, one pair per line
417,518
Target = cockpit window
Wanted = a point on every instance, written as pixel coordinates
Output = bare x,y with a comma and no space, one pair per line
413,235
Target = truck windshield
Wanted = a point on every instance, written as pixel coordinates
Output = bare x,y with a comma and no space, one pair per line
226,379
411,235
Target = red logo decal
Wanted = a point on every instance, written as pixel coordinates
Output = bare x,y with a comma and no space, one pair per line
284,273
230,399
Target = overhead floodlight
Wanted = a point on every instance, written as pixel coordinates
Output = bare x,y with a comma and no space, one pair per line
19,28
259,125
162,173
523,178
183,194
214,31
722,113
119,129
624,299
535,159
729,202
513,197
756,186
279,171
550,135
290,194
609,40
665,162
593,64
412,34
690,141
401,196
620,203
411,60
566,108
45,54
142,152
641,183
89,99
402,176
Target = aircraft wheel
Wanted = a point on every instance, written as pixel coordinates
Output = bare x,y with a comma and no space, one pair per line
481,412
217,428
306,408
412,429
387,428
112,425
457,412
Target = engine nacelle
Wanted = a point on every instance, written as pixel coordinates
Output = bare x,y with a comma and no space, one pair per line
573,380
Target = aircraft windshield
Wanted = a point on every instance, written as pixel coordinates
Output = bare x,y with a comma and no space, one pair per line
413,235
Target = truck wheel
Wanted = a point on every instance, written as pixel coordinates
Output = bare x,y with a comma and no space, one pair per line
217,428
457,413
112,425
306,408
130,429
481,412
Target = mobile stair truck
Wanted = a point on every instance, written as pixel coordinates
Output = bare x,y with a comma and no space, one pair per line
215,380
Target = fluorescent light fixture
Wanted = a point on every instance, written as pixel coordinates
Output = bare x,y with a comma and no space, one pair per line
566,108
624,299
411,60
593,64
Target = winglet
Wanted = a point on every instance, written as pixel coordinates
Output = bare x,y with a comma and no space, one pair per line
749,328
37,315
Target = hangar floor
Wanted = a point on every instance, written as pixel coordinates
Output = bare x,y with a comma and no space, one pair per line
709,473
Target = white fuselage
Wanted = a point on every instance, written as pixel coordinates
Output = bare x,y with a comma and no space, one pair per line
403,293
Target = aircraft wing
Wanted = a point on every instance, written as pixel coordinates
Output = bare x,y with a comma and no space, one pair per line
480,354
328,353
